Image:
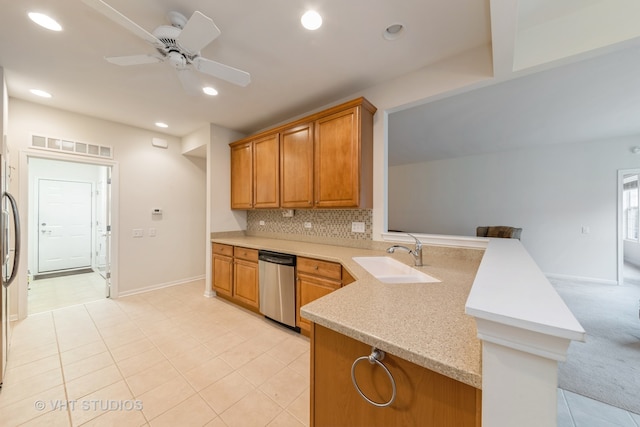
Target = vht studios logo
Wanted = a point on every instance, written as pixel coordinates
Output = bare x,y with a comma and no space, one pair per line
88,405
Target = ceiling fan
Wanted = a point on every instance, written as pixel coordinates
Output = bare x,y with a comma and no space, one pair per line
179,44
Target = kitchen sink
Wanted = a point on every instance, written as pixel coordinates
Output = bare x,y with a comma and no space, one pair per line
388,270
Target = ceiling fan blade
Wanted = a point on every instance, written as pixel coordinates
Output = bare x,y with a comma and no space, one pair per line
222,71
199,31
119,18
133,59
189,81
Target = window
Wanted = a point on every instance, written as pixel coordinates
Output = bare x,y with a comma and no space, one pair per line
630,207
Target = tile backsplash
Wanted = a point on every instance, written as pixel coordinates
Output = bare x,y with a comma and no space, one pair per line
331,225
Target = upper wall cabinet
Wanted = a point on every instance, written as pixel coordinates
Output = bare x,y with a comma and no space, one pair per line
255,173
324,160
242,175
296,167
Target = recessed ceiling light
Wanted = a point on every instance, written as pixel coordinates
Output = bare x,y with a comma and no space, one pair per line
393,31
210,91
311,20
40,93
45,21
162,125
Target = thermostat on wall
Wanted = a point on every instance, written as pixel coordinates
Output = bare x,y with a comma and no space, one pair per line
156,211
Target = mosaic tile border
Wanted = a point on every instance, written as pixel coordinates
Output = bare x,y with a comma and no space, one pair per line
331,224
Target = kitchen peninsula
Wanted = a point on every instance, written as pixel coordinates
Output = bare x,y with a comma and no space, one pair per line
432,325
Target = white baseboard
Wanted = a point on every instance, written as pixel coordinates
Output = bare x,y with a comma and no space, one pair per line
159,286
580,279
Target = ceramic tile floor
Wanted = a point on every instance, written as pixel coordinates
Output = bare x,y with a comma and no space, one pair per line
186,360
575,410
57,292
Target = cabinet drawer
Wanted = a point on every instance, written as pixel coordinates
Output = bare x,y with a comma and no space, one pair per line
328,269
245,253
220,249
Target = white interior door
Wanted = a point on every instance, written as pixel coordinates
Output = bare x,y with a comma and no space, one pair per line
64,225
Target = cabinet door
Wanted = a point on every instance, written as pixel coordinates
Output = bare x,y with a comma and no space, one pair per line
337,160
310,288
424,397
296,167
242,176
222,274
266,172
245,276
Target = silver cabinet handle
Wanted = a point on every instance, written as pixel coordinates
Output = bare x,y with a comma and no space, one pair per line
375,359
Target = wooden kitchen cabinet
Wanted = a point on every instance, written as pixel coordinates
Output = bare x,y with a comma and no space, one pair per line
296,167
222,265
324,160
235,275
315,279
255,173
423,397
245,276
266,172
242,175
343,159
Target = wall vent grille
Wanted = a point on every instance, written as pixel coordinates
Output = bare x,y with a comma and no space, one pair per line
71,147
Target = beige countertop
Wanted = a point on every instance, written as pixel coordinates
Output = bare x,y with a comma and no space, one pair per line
423,323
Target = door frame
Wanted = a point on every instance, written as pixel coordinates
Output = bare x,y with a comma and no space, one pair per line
620,239
23,203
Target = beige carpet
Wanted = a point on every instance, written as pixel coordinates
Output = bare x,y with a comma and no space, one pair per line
607,366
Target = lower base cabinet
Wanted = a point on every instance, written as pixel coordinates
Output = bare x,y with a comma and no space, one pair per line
245,276
315,279
423,397
235,275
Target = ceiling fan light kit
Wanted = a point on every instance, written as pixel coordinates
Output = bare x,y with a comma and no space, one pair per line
179,43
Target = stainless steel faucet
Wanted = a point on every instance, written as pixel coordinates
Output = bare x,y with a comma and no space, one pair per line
417,252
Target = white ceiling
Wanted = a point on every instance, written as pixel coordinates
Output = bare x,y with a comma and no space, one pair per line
293,70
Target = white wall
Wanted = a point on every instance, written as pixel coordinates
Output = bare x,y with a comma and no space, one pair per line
149,178
222,217
551,192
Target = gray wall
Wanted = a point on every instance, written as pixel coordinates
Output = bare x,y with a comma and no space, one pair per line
549,191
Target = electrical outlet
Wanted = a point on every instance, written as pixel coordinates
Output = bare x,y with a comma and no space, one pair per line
137,232
357,227
307,225
261,222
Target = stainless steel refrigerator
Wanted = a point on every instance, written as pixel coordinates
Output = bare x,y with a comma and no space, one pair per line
10,255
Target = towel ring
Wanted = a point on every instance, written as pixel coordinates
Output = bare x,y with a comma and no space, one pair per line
374,358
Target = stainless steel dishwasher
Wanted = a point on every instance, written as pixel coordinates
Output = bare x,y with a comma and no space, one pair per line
278,287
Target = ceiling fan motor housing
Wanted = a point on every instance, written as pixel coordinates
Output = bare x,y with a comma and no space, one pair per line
168,35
